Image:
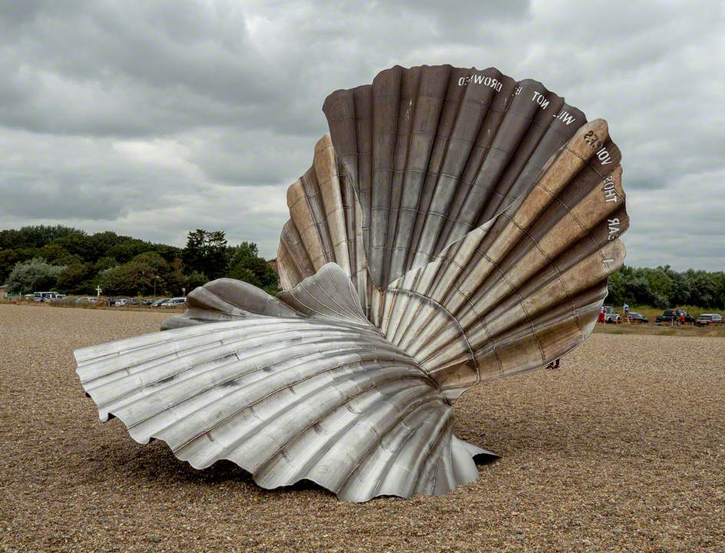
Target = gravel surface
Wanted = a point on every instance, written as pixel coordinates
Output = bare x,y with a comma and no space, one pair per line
623,448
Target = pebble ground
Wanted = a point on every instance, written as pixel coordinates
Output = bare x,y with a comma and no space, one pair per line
623,448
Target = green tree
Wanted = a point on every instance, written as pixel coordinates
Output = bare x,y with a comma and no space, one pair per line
239,272
125,250
242,251
103,242
256,271
69,259
206,252
194,280
77,279
35,236
175,279
26,254
35,275
8,259
54,254
664,287
130,279
104,263
154,261
169,253
77,243
145,274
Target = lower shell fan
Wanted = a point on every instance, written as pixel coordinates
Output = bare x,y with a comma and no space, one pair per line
347,377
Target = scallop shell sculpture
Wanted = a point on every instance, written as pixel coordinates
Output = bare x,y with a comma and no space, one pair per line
456,226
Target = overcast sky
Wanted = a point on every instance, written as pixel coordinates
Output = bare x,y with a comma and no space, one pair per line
153,118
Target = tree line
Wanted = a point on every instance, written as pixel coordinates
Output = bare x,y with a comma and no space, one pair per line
71,261
664,287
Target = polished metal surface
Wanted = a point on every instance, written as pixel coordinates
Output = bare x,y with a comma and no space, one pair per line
455,227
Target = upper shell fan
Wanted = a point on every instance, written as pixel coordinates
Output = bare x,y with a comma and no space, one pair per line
434,152
512,294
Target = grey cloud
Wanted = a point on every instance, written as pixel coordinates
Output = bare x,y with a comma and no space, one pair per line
250,157
45,176
148,117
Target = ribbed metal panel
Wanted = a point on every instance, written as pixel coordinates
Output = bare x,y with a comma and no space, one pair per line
455,227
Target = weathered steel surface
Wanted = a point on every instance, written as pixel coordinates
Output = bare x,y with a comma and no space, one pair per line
325,225
320,396
434,152
456,227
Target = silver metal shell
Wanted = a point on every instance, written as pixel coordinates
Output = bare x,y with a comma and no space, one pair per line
471,239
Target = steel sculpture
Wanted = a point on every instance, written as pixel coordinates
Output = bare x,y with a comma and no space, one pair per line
456,226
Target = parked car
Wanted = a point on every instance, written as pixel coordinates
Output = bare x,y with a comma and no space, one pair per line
159,303
148,301
638,318
173,302
119,302
611,316
672,315
707,319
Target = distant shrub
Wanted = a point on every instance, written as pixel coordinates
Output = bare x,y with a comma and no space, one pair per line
33,276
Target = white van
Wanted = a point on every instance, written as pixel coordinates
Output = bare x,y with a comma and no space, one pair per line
47,296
